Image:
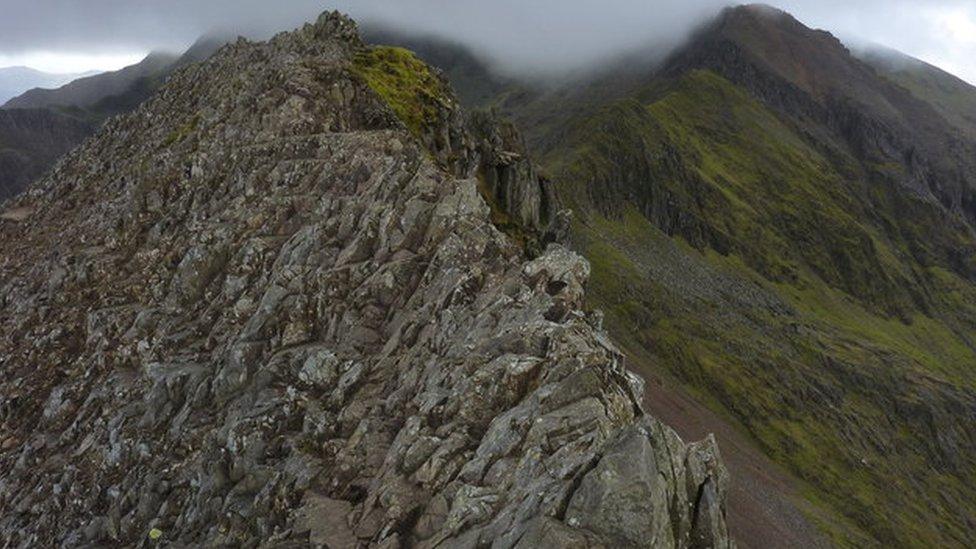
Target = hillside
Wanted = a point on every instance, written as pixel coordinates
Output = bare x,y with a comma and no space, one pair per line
17,80
954,98
30,141
784,232
299,297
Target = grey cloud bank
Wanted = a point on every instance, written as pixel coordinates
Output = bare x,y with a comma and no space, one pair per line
522,33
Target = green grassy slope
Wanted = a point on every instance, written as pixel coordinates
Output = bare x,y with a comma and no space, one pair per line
792,291
406,83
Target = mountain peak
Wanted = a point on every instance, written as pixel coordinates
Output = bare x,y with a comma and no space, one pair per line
802,54
774,43
756,17
23,68
758,10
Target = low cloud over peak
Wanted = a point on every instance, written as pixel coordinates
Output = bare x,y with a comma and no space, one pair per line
541,34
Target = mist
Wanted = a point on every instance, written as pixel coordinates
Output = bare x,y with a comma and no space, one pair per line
522,35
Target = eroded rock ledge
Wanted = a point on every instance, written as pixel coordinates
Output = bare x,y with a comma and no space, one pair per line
257,312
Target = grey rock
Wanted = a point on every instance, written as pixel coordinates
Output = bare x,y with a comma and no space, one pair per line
320,339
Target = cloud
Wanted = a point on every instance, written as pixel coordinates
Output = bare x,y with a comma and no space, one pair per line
525,33
937,31
543,33
67,63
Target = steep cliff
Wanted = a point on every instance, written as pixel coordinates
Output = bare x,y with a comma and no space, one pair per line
270,307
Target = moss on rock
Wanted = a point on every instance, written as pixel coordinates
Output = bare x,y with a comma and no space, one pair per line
408,85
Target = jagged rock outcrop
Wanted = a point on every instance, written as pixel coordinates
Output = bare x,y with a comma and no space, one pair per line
259,312
523,203
788,232
510,180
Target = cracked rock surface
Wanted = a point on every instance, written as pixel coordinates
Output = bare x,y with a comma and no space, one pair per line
257,312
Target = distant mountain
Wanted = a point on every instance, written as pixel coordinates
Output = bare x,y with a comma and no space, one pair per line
17,80
111,93
203,48
88,92
41,125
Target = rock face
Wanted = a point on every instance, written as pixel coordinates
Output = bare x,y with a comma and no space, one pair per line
259,311
510,180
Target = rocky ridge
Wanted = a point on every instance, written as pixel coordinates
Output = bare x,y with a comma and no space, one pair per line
262,311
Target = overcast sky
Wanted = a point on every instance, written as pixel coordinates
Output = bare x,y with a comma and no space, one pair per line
76,35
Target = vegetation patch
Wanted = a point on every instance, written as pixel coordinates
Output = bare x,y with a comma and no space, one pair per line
408,85
184,131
